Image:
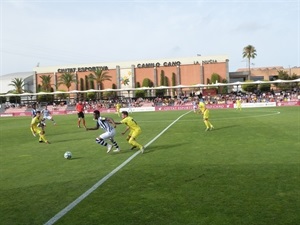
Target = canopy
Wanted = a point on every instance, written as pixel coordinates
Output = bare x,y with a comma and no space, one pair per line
156,88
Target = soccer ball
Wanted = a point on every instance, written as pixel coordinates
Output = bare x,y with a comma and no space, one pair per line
68,155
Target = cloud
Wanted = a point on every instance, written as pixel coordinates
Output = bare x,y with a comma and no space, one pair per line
73,32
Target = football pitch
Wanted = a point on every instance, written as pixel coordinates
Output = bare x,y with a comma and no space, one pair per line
244,172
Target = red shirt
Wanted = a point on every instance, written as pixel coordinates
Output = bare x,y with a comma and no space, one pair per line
79,107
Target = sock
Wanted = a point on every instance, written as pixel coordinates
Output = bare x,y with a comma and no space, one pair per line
115,144
101,141
43,138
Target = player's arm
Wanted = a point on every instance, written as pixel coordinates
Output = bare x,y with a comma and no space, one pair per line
93,128
110,120
127,128
32,126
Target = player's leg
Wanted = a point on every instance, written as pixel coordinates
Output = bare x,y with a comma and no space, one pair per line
83,120
128,137
42,137
207,118
133,141
53,121
206,124
78,120
210,125
33,132
114,143
101,140
205,121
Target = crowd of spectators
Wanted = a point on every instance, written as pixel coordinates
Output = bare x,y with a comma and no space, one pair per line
174,101
187,100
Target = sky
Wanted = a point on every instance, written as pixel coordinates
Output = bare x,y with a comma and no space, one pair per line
67,32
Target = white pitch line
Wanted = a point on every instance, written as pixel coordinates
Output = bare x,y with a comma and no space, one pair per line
100,182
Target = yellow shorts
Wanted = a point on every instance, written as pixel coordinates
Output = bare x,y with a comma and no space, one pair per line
135,133
206,114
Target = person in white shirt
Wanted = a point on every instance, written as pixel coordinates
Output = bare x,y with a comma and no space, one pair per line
108,125
195,105
47,115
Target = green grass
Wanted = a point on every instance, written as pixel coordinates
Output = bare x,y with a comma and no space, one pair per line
246,171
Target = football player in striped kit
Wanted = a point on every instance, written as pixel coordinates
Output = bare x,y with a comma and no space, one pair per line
47,115
108,125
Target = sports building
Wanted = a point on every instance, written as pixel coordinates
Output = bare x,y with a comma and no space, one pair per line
6,80
131,74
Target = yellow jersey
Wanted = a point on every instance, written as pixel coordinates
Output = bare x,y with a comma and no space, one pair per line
130,122
201,106
35,121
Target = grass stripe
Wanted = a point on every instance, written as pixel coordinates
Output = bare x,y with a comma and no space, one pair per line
100,182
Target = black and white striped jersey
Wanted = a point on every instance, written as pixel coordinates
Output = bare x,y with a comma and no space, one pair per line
104,124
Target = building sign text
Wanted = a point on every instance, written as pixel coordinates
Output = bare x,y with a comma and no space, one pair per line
151,65
82,69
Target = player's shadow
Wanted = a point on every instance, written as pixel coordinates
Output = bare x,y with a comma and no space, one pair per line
150,149
225,127
67,140
164,147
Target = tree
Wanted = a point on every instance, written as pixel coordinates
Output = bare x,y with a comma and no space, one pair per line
142,93
283,75
161,92
91,96
249,87
67,79
249,52
162,78
147,83
224,89
215,78
99,76
265,87
18,84
166,81
46,83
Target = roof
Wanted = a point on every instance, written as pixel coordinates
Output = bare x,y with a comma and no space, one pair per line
6,79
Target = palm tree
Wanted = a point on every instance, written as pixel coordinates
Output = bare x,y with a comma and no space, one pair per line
46,82
99,76
249,52
18,84
67,79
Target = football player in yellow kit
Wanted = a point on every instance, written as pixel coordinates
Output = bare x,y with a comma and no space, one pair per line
134,128
205,112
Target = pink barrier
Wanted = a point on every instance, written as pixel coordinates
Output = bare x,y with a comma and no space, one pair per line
291,103
157,108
